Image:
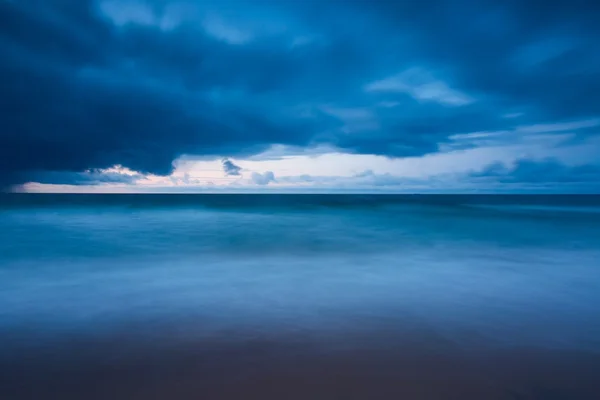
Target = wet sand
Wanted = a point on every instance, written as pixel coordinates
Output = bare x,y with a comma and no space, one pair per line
379,365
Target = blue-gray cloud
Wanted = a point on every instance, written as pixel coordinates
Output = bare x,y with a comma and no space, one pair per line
230,168
263,179
548,171
95,83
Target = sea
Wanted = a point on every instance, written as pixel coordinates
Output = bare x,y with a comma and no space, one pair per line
299,296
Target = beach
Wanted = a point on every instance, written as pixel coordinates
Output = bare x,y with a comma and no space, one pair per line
299,296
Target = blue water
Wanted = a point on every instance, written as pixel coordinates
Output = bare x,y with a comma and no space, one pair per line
498,270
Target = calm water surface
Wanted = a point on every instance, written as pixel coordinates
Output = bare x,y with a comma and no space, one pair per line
299,296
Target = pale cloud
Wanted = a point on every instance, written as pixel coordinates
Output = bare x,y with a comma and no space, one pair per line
546,136
478,135
422,86
278,152
560,127
218,28
263,179
335,163
128,12
137,12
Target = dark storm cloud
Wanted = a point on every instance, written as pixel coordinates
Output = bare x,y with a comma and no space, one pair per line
78,93
230,168
538,55
84,178
87,86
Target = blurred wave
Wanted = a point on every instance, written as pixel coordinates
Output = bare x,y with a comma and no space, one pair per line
214,287
512,272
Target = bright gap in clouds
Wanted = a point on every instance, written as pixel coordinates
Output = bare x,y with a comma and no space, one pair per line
283,168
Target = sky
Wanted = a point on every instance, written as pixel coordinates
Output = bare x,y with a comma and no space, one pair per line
300,96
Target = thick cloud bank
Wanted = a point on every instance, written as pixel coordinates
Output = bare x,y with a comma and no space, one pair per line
86,85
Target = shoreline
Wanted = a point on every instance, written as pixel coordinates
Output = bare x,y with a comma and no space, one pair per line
416,365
